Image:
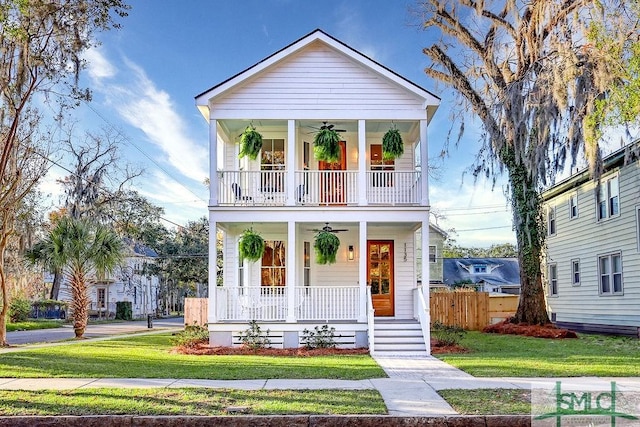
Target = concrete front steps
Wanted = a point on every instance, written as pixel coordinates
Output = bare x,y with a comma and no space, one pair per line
398,337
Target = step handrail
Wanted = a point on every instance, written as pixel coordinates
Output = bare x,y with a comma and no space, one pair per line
421,311
370,322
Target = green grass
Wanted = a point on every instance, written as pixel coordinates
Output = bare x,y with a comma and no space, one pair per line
149,356
185,401
494,355
497,401
34,324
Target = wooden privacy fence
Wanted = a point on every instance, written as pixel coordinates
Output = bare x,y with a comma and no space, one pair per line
195,311
471,310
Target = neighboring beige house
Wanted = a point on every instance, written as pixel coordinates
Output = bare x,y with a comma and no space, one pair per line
592,263
370,295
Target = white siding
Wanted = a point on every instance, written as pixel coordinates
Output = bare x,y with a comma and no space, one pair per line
586,239
318,77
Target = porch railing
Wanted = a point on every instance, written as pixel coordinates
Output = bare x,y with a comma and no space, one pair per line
269,303
318,188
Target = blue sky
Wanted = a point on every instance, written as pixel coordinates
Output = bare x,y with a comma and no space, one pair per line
145,76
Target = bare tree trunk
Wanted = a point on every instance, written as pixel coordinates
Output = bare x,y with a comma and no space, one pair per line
532,308
4,294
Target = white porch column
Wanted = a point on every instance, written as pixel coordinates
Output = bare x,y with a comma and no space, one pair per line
291,162
362,270
212,316
424,167
362,163
213,163
290,269
425,259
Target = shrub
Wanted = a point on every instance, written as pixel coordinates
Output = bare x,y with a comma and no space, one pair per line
445,334
191,337
254,338
19,310
124,310
319,337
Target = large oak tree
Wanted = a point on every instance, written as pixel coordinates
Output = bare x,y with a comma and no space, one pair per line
534,75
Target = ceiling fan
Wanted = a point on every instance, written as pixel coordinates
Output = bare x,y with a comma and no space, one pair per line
327,126
328,229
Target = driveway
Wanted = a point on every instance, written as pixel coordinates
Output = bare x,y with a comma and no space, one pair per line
94,330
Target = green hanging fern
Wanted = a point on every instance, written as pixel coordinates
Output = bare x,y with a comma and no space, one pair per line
326,145
326,246
251,245
392,146
250,143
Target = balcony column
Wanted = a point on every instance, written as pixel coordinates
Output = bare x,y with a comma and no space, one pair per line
290,268
291,162
362,163
424,167
213,256
213,162
362,270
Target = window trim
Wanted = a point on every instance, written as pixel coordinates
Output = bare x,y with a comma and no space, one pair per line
573,196
551,218
605,191
574,272
611,275
550,280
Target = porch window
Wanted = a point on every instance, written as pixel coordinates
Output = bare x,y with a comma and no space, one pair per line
385,168
272,159
307,264
273,264
240,270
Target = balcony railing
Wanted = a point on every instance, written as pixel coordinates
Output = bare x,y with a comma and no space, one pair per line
270,303
318,188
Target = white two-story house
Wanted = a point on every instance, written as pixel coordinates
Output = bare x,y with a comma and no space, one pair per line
374,206
592,259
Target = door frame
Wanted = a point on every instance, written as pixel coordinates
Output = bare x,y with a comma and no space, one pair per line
390,310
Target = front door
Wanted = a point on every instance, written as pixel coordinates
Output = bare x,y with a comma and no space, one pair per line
332,184
380,275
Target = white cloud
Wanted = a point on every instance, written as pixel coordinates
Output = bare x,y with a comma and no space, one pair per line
141,104
98,66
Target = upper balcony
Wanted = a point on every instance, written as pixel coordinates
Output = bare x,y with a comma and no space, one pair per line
319,188
287,173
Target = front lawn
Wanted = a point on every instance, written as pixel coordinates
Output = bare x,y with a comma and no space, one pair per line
186,401
494,355
34,324
497,401
149,356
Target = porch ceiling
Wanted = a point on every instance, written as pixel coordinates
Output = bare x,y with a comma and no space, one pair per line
235,127
281,227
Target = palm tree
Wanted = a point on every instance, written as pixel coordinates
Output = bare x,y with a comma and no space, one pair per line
85,252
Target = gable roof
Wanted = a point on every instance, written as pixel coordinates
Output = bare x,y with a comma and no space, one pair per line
500,271
317,35
138,249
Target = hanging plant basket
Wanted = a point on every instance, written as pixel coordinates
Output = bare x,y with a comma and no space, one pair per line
326,247
392,145
250,143
251,245
326,147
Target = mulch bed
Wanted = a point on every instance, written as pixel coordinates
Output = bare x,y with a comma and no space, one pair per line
438,348
205,350
537,331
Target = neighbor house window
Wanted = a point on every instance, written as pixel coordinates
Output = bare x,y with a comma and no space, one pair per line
573,206
383,176
479,268
102,297
575,272
273,264
553,279
272,159
608,198
610,271
432,253
551,220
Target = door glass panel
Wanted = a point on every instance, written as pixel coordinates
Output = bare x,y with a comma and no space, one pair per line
375,287
374,253
384,252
